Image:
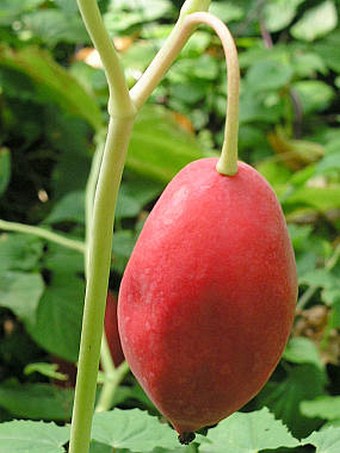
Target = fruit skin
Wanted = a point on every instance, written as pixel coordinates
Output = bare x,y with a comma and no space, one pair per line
111,329
207,300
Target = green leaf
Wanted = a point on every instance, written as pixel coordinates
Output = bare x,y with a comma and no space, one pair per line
34,437
326,407
302,350
19,252
54,26
268,75
36,401
58,324
159,148
5,169
12,9
21,292
59,314
69,209
316,22
303,382
280,13
51,79
322,199
227,11
325,441
314,95
132,429
329,50
321,278
248,432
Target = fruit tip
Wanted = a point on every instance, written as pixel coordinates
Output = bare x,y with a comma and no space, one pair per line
186,438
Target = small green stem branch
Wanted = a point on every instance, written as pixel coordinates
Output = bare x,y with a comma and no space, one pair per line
227,164
44,234
112,377
98,273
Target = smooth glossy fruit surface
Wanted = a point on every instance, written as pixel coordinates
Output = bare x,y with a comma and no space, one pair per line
207,299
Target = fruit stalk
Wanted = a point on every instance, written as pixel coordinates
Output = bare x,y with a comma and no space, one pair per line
185,26
98,265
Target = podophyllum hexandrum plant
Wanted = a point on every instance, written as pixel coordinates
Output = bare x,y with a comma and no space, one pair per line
238,223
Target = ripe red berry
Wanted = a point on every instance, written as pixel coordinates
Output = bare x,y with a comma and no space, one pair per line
207,300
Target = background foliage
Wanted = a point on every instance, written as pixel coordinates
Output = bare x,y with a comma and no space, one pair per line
53,98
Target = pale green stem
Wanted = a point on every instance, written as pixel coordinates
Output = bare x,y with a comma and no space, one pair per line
227,164
90,194
119,103
42,233
309,293
100,247
112,378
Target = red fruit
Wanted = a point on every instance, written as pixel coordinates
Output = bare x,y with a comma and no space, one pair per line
111,329
207,300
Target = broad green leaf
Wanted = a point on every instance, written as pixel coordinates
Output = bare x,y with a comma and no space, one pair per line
268,75
51,79
307,64
19,251
329,50
58,324
314,95
321,199
32,437
36,401
227,11
248,432
54,26
132,429
122,15
97,447
303,382
280,13
12,9
302,350
69,209
59,314
21,292
320,278
325,441
159,148
5,169
316,22
326,407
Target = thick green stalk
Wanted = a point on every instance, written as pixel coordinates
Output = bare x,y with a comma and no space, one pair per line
100,247
119,103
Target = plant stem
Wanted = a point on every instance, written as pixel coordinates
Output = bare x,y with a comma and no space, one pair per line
72,244
98,265
119,103
185,26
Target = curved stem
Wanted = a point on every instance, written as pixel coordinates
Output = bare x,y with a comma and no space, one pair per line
100,247
72,244
120,103
185,26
